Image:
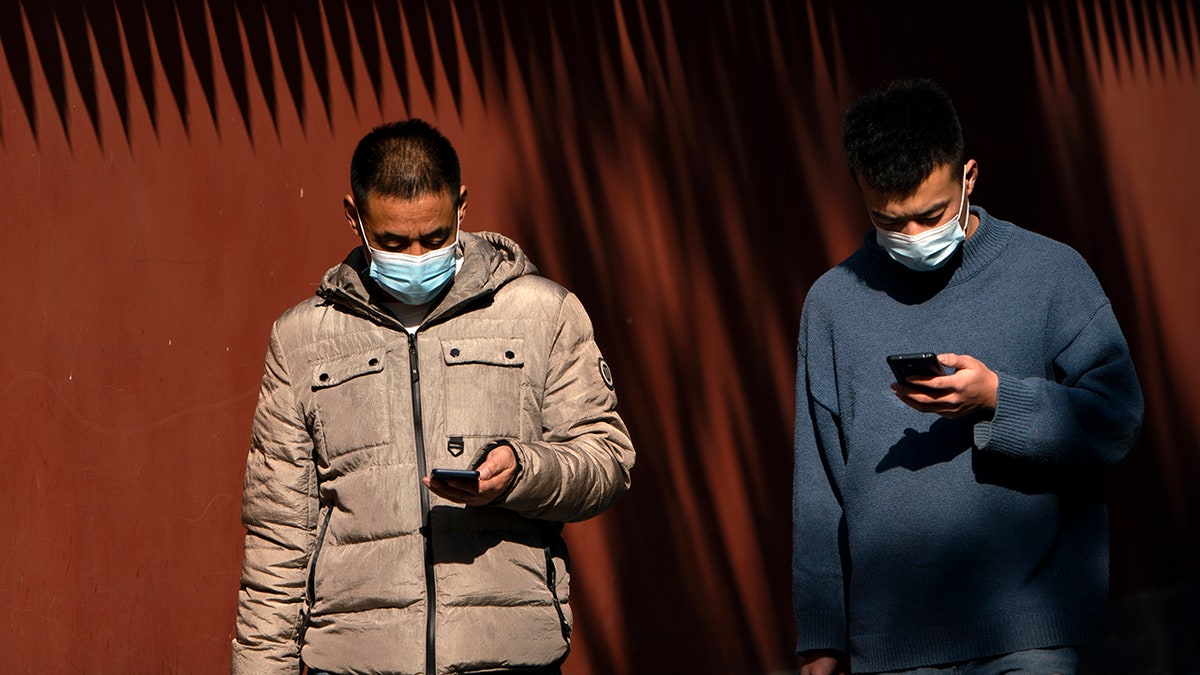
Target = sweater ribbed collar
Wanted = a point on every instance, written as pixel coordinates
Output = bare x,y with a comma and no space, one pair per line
877,268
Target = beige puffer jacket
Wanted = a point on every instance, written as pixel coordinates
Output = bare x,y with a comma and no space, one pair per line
344,545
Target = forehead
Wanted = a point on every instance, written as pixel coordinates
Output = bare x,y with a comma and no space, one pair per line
425,209
938,188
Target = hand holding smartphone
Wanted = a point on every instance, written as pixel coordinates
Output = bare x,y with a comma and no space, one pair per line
469,486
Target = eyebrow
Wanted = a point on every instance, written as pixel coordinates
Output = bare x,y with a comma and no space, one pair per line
394,239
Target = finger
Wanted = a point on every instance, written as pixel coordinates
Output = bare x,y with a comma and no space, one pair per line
487,470
923,385
438,488
439,491
495,471
939,386
958,361
468,487
498,460
446,490
919,407
923,395
925,403
924,407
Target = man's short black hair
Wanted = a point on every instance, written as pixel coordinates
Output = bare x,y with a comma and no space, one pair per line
406,159
893,138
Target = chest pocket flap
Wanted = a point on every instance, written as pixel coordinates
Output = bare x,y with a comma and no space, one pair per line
485,351
336,371
483,386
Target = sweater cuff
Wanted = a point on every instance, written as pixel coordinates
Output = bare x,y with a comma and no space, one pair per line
1016,405
821,629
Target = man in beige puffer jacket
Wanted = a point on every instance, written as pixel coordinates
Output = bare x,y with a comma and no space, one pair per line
428,347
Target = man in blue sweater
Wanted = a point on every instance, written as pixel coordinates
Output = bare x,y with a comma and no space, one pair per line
954,523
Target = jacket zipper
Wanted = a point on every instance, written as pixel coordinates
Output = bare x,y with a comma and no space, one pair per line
426,531
311,585
552,584
343,298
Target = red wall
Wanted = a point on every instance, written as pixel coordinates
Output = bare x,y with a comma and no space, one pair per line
171,176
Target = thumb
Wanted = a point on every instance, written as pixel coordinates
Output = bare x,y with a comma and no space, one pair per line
496,461
486,470
954,361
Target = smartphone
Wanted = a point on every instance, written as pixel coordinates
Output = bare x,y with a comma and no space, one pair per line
924,364
455,474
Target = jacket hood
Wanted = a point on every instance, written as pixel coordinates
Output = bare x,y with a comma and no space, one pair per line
489,261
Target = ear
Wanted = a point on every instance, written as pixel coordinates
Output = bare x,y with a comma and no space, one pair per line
462,203
351,212
971,173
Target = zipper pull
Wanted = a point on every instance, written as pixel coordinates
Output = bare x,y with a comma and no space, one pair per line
413,369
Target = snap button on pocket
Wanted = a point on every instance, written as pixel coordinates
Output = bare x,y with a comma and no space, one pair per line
338,370
503,352
350,402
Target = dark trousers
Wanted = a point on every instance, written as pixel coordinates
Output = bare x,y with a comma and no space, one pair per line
547,670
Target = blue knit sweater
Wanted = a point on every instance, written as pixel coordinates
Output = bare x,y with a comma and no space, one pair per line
920,540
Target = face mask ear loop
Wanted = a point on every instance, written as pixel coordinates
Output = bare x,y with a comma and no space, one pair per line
363,231
963,206
459,251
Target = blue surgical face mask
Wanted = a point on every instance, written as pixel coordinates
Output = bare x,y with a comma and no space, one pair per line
930,249
413,279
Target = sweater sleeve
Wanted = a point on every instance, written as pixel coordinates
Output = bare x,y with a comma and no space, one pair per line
1087,417
583,463
818,592
279,511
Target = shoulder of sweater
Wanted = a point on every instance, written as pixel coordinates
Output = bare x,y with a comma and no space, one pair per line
1027,255
829,294
1033,255
849,270
1031,244
833,280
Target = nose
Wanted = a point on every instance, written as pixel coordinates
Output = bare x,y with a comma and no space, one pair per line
415,249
